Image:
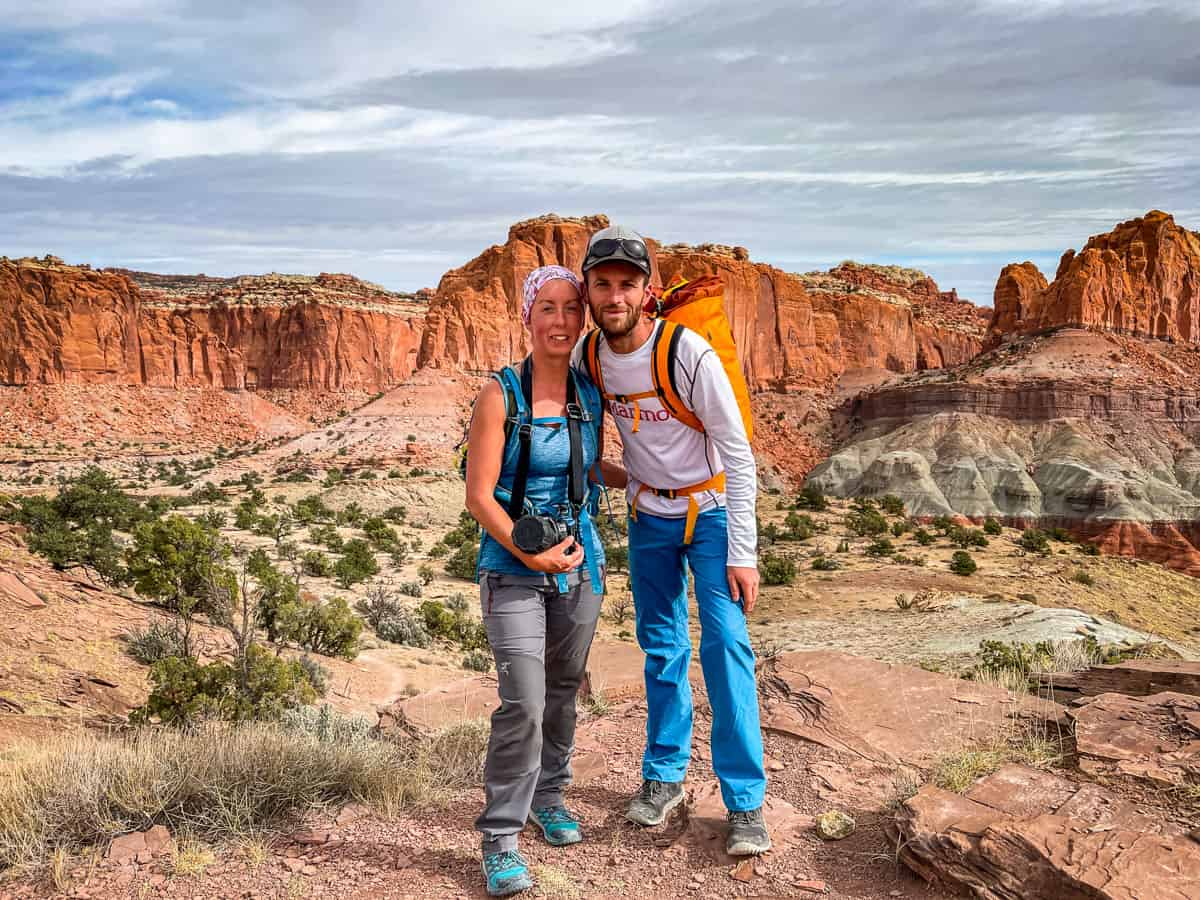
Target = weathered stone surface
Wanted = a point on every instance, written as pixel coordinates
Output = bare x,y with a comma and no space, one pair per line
140,845
790,329
1142,278
707,823
1134,677
1154,738
835,825
1022,834
836,700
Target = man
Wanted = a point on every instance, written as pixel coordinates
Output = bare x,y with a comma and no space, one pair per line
692,496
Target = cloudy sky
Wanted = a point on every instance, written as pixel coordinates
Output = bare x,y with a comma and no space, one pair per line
396,140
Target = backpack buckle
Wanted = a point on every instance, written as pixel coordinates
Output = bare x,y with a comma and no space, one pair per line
525,431
575,411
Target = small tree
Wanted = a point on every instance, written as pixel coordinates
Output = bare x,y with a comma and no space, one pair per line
776,569
1035,541
329,628
463,562
991,527
812,498
892,505
356,564
866,522
961,563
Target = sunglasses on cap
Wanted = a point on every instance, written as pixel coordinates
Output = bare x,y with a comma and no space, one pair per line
631,248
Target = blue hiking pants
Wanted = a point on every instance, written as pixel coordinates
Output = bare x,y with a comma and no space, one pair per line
658,565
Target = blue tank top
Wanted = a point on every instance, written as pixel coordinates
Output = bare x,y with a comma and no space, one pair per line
546,489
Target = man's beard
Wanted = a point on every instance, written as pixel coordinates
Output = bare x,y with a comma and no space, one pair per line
627,325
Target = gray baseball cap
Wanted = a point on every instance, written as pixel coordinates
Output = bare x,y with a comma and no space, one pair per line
616,243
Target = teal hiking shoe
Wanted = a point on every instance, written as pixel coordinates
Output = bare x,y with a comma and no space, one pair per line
506,873
558,826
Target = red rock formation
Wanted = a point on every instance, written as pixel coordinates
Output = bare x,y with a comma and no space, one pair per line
71,324
790,329
1142,278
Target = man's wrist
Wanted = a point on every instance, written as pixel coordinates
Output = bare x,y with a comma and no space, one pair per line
742,562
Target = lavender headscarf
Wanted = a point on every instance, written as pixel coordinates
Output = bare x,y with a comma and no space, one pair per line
536,279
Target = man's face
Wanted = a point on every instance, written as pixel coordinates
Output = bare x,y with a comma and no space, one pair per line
616,292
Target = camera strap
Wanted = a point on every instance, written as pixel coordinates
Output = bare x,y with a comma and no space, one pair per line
576,477
516,502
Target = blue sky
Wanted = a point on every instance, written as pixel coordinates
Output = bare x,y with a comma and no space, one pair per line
395,141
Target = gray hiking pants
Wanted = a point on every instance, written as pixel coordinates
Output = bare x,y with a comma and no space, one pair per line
540,639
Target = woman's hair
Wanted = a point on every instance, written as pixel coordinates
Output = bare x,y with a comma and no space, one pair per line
538,278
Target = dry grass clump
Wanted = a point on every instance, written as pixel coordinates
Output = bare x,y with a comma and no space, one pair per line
1024,744
217,781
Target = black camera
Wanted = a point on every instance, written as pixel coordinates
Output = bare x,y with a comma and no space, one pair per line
533,534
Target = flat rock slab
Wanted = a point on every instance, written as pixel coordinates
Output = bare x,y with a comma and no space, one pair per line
1020,834
883,712
1154,738
707,825
14,588
1136,677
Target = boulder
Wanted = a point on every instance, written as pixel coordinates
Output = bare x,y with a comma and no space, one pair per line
1021,834
835,825
1134,678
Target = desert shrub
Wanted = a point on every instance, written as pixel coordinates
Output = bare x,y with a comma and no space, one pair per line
961,563
310,509
317,674
966,537
357,563
327,535
316,564
768,533
991,527
1089,549
881,546
179,564
899,528
923,537
381,535
327,725
903,560
334,476
426,574
185,692
811,498
1035,541
892,505
438,551
942,524
463,562
1082,577
843,547
350,514
620,607
397,513
212,518
1060,534
866,522
411,588
1022,658
798,527
328,628
403,627
466,530
616,557
455,627
160,640
477,661
274,594
776,569
207,493
864,504
825,564
457,602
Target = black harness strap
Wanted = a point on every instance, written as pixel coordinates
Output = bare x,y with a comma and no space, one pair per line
516,503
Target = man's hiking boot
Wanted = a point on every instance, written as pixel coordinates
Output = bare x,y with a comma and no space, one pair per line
506,873
747,833
654,801
558,826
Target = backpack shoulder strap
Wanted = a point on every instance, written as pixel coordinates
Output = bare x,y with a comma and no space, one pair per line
524,438
665,353
590,358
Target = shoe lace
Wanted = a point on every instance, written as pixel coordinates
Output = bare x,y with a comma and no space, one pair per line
506,859
744,817
651,789
556,815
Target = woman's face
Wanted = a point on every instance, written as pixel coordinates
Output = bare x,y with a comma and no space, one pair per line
556,318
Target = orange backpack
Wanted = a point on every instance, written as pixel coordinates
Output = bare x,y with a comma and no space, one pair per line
700,306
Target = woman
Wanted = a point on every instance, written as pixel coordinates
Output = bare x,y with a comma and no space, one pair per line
540,608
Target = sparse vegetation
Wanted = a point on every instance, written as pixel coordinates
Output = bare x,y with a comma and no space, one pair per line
961,563
866,522
776,569
991,527
892,505
356,564
812,498
1035,541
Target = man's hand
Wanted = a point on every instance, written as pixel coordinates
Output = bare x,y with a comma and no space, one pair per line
743,585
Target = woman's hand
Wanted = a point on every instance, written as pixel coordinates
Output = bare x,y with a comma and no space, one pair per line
556,560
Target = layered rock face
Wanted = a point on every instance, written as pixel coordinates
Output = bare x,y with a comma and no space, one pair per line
64,324
1093,430
790,329
1142,279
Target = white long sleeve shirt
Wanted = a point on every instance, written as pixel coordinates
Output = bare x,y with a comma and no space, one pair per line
665,453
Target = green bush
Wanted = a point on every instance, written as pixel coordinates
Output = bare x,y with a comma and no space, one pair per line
467,531
212,518
457,602
961,563
812,498
185,692
866,522
923,537
616,557
942,524
411,588
350,514
825,564
426,574
327,535
798,527
328,628
208,493
275,596
403,627
1082,577
1089,549
162,639
317,675
899,528
310,509
398,555
892,505
1035,541
455,627
966,537
381,535
180,564
316,564
991,526
1060,534
462,564
356,564
396,513
881,546
776,569
438,550
998,656
478,661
